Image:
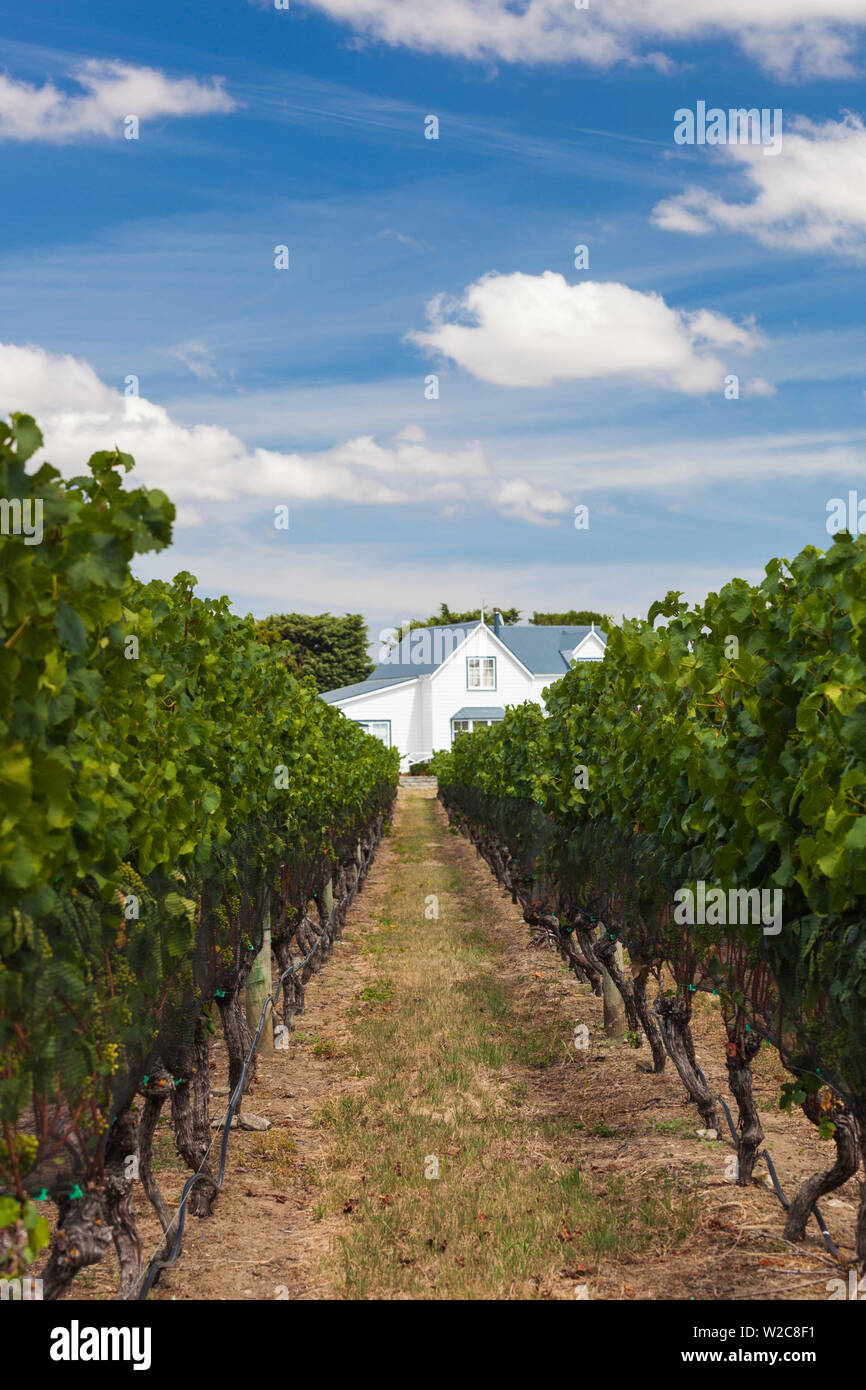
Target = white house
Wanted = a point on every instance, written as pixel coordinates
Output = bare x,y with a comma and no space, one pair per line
441,681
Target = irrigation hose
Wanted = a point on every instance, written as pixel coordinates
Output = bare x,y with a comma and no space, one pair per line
777,1186
155,1266
828,1239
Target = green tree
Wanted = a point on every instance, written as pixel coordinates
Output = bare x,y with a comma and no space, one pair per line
447,616
331,650
582,617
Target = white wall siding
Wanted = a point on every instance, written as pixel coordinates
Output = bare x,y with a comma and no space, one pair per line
422,729
539,685
450,690
420,710
396,703
591,648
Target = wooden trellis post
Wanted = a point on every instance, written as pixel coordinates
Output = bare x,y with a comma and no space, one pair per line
257,991
615,1021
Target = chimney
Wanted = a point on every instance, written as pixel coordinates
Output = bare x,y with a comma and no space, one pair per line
498,624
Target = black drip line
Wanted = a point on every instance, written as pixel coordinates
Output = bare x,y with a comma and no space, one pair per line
155,1266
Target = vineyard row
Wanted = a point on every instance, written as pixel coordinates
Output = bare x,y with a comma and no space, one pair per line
719,756
168,788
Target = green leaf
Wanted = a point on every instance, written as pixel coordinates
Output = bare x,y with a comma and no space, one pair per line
15,768
70,629
9,1211
856,837
21,868
27,436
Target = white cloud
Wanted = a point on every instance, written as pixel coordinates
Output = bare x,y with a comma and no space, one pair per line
682,467
518,498
109,92
413,433
215,479
363,578
79,415
198,358
807,38
532,330
811,196
758,386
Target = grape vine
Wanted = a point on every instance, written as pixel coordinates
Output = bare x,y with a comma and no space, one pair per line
725,747
167,787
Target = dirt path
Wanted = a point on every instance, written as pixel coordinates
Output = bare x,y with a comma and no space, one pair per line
435,1133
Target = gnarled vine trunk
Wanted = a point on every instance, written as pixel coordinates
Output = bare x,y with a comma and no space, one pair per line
649,1022
847,1140
121,1146
675,1014
605,949
82,1237
156,1092
237,1037
190,1112
742,1048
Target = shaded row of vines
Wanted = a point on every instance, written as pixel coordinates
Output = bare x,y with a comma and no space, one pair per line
166,788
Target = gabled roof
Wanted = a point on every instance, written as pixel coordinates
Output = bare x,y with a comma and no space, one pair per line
347,692
442,641
545,651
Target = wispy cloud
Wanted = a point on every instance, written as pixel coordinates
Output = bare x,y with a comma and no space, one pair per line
109,92
303,100
687,465
198,358
413,243
268,578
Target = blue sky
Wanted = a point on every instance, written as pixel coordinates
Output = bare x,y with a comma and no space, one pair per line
154,258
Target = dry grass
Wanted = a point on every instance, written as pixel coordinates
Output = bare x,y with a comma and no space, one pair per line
452,1038
273,1153
447,1045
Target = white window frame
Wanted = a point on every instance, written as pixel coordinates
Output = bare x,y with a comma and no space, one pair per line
481,668
364,723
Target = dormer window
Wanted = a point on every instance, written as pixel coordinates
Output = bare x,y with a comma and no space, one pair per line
481,673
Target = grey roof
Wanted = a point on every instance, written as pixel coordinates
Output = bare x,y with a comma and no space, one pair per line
362,688
540,649
480,712
440,641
